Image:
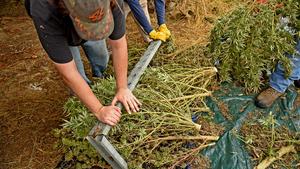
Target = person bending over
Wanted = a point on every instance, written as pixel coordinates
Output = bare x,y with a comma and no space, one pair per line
63,23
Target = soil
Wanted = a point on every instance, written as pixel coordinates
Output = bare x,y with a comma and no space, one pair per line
208,126
31,98
224,110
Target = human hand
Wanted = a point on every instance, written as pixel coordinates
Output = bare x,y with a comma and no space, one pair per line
129,101
109,114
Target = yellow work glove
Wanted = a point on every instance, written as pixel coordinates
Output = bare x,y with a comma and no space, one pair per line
157,35
163,28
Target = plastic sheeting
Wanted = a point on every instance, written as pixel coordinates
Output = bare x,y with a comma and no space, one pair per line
229,151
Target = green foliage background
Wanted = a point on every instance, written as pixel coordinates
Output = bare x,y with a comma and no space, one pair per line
250,41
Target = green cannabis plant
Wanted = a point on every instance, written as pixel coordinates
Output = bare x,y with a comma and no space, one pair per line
251,40
161,135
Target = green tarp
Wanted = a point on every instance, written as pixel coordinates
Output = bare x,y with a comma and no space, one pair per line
229,151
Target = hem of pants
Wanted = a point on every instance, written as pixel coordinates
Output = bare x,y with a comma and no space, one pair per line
275,88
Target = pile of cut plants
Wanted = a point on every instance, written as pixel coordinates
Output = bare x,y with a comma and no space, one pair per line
161,135
247,43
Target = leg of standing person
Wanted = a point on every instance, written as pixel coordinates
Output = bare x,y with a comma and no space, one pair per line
160,11
144,4
145,9
139,14
160,7
77,59
278,82
126,9
97,54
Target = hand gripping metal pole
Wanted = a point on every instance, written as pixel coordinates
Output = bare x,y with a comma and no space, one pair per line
97,136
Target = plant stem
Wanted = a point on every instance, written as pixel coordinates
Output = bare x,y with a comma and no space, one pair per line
193,151
210,138
190,96
269,160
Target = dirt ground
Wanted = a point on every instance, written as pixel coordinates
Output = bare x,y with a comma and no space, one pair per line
31,98
32,94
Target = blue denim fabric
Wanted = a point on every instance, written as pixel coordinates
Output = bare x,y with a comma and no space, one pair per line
77,59
97,55
140,16
160,11
278,80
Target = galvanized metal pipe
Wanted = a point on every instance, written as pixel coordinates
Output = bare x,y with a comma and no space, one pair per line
97,136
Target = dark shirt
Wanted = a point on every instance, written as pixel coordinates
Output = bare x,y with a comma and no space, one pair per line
56,31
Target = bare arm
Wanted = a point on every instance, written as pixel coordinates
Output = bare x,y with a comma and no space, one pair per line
120,63
107,114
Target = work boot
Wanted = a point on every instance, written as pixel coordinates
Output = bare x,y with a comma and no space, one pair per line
297,83
267,97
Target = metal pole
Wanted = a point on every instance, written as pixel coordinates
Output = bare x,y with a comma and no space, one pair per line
97,136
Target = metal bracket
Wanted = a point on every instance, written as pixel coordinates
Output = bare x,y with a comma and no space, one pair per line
108,152
97,136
